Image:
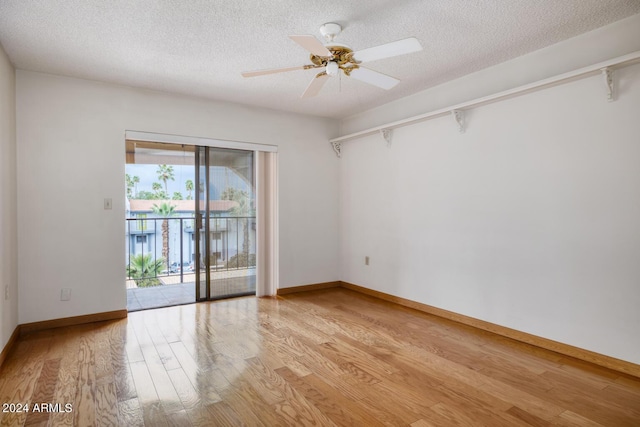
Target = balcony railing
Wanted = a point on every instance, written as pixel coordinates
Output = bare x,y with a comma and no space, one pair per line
231,247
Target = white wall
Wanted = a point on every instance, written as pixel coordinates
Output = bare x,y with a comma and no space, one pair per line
530,220
8,211
71,156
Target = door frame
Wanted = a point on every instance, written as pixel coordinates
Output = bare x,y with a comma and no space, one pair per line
266,176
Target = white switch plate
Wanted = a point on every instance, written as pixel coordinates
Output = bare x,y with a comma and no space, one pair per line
108,204
65,294
6,292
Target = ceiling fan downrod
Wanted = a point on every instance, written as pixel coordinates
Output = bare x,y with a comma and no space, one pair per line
330,31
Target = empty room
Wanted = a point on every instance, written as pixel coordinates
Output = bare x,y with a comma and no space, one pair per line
329,213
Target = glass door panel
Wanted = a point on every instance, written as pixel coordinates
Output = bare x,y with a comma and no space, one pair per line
202,244
232,223
226,231
159,224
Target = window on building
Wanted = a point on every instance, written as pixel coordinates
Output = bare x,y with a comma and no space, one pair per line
142,225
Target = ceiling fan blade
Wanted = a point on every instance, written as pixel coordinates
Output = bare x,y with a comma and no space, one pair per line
316,84
271,71
374,78
388,50
312,44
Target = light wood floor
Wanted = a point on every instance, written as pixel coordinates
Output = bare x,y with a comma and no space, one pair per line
331,357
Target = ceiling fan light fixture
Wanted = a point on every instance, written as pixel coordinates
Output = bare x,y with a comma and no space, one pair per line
332,68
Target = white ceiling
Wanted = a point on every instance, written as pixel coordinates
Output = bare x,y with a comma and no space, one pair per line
199,47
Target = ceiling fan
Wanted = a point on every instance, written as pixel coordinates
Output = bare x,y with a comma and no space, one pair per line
333,57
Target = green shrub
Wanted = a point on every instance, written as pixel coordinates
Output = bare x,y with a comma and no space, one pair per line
241,261
148,283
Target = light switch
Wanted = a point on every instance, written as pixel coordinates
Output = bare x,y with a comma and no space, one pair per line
108,204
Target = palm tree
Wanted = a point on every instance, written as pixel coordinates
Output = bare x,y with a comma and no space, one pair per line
189,187
129,182
165,173
158,191
232,193
165,210
135,181
145,270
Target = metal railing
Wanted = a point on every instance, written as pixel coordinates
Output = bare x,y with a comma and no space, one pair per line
231,246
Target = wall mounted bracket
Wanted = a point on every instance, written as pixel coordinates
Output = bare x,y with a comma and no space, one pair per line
458,116
337,147
386,134
607,74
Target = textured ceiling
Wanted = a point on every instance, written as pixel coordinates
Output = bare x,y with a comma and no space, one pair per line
200,47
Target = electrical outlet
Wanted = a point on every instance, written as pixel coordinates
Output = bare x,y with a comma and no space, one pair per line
108,203
366,260
65,294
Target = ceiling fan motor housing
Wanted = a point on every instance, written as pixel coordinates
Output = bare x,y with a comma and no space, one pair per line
341,54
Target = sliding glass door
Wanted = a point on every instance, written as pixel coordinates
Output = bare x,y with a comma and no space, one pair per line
191,226
225,232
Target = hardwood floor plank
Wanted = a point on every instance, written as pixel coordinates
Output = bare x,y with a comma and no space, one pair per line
343,401
444,415
326,368
21,379
242,400
203,380
179,419
44,390
295,410
166,392
631,384
134,353
265,380
125,387
596,407
575,378
346,350
161,382
448,414
287,356
102,354
219,414
184,389
106,405
423,423
571,419
528,418
327,357
327,405
68,374
145,388
85,406
154,415
130,413
167,358
390,410
249,407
